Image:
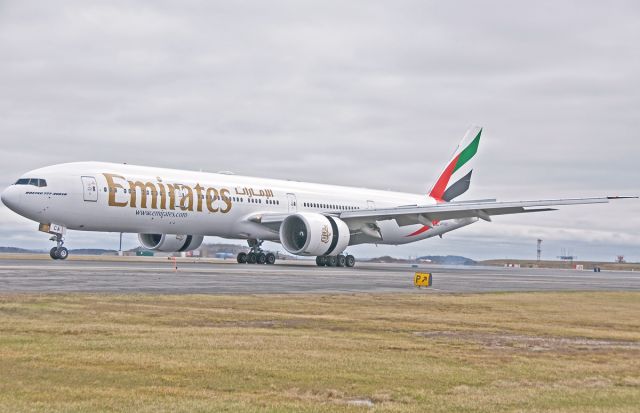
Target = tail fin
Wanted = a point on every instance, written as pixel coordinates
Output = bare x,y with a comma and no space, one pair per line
456,177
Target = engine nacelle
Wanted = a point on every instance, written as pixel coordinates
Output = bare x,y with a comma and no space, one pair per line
308,233
170,242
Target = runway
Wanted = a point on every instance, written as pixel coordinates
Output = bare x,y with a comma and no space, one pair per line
44,276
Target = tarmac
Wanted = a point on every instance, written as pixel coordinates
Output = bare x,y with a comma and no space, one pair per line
227,277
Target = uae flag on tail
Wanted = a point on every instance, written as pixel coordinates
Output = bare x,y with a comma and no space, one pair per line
456,177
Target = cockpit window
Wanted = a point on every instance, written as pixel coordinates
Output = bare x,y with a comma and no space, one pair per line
41,183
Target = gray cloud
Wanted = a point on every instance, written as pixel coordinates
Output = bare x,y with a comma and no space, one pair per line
357,93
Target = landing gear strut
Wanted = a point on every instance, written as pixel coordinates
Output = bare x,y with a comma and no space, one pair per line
256,255
336,261
58,252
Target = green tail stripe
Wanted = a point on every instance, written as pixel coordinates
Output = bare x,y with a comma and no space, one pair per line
468,152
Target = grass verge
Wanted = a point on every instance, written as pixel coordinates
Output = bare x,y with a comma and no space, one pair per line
559,352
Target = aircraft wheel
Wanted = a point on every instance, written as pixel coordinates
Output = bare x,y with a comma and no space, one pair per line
321,261
261,258
54,253
332,261
251,258
350,261
341,260
242,258
63,253
271,258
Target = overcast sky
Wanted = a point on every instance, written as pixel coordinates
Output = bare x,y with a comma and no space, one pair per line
361,93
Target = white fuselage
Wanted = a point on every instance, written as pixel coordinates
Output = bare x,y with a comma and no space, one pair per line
95,196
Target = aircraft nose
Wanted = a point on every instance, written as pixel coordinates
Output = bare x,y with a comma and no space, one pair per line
9,198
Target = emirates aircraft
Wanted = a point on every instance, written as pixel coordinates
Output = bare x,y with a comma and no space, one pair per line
173,210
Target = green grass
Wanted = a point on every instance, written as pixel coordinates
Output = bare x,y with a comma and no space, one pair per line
555,352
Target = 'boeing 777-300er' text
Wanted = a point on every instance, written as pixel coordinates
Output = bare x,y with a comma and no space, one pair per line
173,210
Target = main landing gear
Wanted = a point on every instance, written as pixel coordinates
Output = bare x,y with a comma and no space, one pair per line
256,255
58,252
336,261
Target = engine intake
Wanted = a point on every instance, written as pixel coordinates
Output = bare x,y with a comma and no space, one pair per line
170,242
314,234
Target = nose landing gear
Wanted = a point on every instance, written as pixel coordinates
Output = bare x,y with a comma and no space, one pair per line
256,255
58,252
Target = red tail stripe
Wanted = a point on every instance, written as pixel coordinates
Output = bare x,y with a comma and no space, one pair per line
423,229
418,232
441,186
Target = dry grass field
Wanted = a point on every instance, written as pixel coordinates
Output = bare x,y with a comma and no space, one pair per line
534,352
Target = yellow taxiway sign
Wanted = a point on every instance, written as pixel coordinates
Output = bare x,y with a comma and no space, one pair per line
422,279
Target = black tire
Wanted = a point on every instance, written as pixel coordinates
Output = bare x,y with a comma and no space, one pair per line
63,253
261,258
54,253
341,260
321,261
332,261
251,258
242,258
271,258
350,261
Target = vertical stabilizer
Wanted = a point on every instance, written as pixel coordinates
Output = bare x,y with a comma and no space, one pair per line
455,179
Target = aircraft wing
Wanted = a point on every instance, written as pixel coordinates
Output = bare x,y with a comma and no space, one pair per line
411,215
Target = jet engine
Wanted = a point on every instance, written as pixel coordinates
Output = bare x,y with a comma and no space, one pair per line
308,233
170,242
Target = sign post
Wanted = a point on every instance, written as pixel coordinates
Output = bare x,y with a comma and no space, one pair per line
422,279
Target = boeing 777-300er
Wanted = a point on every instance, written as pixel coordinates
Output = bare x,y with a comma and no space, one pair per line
173,210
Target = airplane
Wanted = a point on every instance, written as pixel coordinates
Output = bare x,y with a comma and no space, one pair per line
173,210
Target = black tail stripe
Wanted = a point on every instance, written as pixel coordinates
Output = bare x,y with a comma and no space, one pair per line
459,188
334,239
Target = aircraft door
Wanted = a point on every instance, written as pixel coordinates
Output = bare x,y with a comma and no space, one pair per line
291,201
371,205
89,189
